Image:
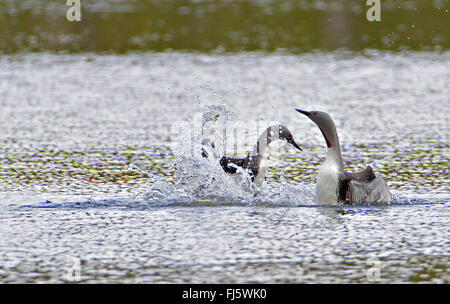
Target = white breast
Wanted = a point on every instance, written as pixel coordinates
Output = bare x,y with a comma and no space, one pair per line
327,182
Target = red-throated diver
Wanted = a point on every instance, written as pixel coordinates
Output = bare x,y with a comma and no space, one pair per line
252,162
334,185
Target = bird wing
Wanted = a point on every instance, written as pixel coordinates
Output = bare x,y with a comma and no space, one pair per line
363,177
373,192
230,164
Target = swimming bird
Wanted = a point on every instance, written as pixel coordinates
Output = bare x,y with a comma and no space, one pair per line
334,185
252,162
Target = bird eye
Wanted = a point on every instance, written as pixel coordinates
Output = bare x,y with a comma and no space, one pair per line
315,113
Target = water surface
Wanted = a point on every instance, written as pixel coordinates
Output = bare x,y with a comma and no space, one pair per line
71,125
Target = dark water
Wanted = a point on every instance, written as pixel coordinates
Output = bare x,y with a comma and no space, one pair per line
223,26
70,126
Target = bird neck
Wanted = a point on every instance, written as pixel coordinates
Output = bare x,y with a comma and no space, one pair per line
333,145
260,148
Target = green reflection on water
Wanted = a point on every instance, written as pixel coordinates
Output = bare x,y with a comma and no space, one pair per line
82,171
231,26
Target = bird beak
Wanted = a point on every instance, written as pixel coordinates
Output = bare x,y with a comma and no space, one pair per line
303,112
292,142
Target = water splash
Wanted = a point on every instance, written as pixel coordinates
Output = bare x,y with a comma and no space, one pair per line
200,180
